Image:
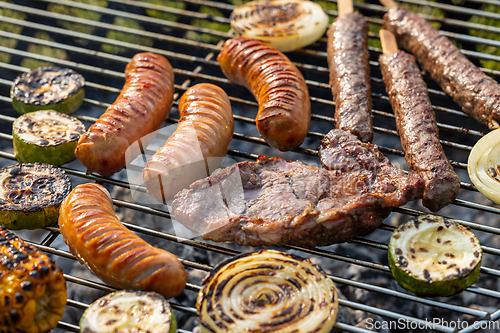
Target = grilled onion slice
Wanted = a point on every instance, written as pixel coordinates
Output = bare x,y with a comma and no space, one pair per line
286,25
433,256
267,291
484,165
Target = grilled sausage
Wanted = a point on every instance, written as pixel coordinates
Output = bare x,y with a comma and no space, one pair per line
474,91
284,108
204,132
113,253
141,108
348,61
417,127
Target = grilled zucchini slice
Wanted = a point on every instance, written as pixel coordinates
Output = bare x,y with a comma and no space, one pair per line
48,88
46,137
33,290
30,195
434,256
129,311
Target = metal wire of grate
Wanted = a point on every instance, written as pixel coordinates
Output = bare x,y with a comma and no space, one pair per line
98,38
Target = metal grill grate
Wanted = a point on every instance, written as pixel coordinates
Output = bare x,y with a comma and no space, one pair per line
189,34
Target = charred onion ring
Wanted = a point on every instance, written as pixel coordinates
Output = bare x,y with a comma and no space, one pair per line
267,291
286,25
483,166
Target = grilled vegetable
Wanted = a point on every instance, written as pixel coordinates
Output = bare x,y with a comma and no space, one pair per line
267,291
286,25
30,195
484,166
129,312
48,88
33,290
434,256
46,137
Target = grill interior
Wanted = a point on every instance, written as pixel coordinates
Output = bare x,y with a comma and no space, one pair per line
98,38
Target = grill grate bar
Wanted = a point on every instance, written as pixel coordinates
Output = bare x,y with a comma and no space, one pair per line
475,226
140,18
426,301
476,40
95,24
456,143
260,141
331,255
492,324
104,287
133,46
252,139
393,315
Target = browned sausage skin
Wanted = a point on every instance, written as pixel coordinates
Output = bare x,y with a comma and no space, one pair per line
113,253
284,107
141,108
204,132
418,129
348,61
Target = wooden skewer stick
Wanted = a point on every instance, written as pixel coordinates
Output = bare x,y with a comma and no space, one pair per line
389,3
388,40
345,7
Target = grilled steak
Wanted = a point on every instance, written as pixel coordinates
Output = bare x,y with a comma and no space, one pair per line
477,93
350,75
418,129
272,201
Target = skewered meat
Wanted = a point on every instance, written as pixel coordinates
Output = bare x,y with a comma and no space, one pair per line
272,201
348,61
418,129
474,91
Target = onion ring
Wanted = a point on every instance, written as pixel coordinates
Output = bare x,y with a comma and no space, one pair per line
286,25
267,291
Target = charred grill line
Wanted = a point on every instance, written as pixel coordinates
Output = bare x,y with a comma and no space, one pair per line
114,182
418,130
477,93
348,60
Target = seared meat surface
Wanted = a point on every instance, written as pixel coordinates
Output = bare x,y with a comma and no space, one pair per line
418,129
273,201
477,93
348,61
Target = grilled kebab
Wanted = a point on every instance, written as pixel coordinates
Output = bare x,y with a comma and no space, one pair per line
416,124
348,61
477,93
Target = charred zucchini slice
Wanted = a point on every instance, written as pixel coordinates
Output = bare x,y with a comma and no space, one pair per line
46,137
30,195
129,311
48,88
434,256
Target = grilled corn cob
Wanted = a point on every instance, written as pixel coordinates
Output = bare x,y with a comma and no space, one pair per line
32,288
